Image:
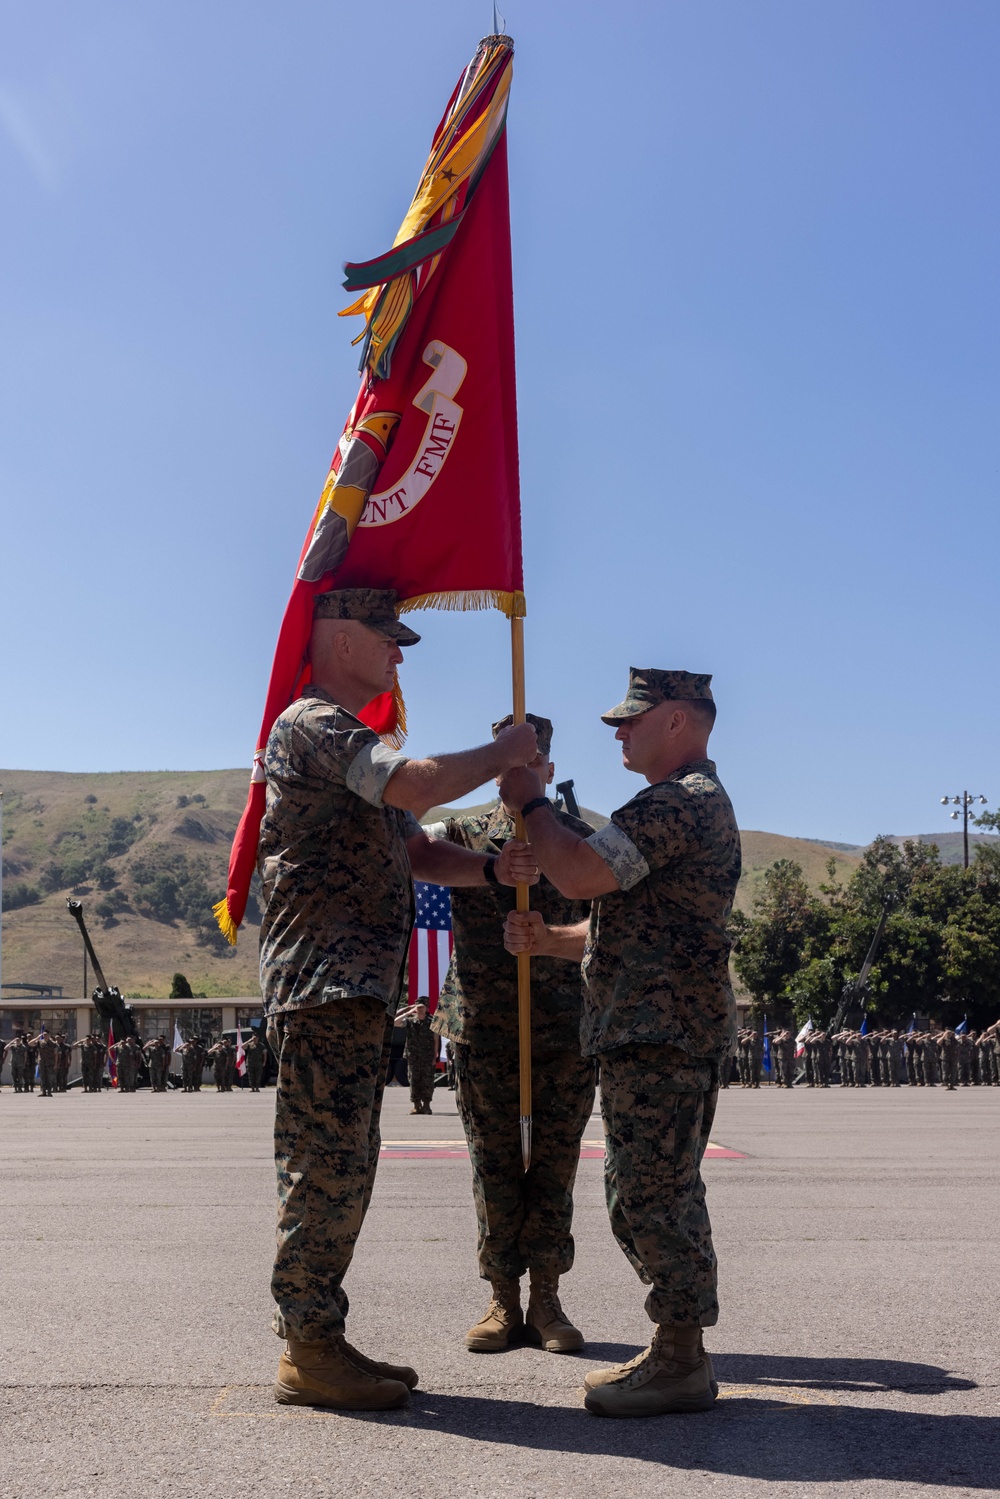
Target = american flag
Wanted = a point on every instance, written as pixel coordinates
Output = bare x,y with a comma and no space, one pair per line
431,943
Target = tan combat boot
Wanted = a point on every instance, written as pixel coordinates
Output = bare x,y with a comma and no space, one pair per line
546,1324
502,1322
674,1374
323,1374
402,1372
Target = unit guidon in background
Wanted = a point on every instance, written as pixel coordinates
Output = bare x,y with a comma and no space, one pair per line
431,944
422,494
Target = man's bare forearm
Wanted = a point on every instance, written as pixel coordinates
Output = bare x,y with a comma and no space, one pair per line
443,863
566,941
419,785
566,859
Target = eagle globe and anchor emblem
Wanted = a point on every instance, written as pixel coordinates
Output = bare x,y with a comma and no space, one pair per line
347,501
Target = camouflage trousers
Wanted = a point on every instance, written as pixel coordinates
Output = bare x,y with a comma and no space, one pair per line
658,1106
331,1073
420,1072
524,1217
255,1071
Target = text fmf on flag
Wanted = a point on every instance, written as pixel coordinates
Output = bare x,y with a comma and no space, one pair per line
423,494
431,943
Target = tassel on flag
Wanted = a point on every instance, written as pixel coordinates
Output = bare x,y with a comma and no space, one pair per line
423,494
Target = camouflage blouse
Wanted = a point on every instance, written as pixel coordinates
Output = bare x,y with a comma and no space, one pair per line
478,1000
656,964
338,897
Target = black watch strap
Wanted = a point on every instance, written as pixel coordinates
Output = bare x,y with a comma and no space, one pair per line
490,871
534,804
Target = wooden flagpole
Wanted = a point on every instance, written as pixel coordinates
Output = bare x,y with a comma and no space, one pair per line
523,960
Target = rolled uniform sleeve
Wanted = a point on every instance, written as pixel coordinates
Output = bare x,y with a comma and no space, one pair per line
371,770
646,835
620,855
335,747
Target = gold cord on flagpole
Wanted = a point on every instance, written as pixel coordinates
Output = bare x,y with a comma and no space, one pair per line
523,960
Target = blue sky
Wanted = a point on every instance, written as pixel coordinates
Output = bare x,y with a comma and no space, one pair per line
756,250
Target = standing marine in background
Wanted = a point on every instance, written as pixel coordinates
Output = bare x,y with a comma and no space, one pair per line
524,1217
420,1050
253,1050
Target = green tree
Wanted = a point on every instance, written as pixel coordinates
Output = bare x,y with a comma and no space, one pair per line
772,943
180,988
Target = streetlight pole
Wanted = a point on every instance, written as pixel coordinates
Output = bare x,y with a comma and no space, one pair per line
965,801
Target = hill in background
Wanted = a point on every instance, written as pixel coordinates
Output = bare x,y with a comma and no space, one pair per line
949,844
147,853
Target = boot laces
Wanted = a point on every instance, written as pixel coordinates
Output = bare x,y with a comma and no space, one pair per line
546,1296
660,1355
499,1309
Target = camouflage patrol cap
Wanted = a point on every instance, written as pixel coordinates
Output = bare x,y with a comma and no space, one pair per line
647,686
541,726
374,607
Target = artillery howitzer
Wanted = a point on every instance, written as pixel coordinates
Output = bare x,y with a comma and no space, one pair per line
856,992
565,790
115,1013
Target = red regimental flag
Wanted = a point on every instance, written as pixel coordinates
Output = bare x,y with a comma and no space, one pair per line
422,494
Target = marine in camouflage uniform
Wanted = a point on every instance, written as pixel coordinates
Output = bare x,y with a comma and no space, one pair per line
47,1049
217,1055
929,1053
947,1045
659,1014
187,1051
334,857
128,1058
157,1055
892,1056
62,1063
420,1048
253,1050
31,1042
524,1218
17,1051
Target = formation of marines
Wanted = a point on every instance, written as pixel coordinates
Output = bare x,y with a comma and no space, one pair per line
881,1058
45,1059
630,951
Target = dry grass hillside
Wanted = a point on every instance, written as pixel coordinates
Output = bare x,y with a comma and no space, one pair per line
146,852
761,850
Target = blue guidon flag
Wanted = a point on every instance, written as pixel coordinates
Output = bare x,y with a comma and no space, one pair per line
431,943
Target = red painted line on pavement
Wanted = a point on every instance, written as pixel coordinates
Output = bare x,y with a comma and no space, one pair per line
431,1151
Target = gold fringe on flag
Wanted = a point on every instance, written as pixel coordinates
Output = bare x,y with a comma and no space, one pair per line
227,925
511,604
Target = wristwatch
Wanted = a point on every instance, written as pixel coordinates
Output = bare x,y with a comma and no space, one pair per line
536,801
490,871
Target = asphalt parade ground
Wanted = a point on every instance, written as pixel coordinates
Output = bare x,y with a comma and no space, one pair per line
857,1352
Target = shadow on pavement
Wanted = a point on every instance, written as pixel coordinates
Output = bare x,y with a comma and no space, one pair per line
836,1373
604,1353
765,1438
